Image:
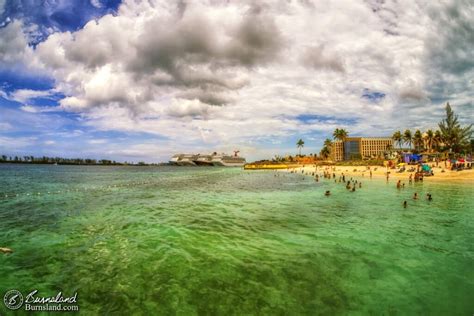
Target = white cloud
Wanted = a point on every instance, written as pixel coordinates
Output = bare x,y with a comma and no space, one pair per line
96,3
97,141
13,44
24,95
38,109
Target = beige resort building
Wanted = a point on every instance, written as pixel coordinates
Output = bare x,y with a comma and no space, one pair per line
360,148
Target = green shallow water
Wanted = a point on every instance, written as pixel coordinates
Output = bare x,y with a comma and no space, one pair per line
186,241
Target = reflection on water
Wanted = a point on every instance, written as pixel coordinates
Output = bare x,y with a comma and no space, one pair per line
226,241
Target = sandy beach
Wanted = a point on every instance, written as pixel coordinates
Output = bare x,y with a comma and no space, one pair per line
381,172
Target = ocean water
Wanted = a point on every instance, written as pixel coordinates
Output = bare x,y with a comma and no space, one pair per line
223,241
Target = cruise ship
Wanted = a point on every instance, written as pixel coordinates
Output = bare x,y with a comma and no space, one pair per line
183,160
214,159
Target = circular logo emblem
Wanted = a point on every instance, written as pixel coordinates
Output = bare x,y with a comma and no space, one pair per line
13,299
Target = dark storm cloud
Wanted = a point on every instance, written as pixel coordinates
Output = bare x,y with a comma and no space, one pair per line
196,53
257,40
450,60
318,57
208,96
453,50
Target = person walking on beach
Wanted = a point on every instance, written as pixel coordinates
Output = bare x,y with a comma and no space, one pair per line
410,178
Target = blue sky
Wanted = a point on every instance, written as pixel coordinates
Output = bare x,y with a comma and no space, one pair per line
141,80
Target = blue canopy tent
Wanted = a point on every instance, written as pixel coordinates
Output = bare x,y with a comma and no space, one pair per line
411,158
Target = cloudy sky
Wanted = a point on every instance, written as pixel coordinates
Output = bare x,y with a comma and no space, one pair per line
141,80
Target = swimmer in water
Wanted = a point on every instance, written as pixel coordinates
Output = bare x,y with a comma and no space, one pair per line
328,193
415,196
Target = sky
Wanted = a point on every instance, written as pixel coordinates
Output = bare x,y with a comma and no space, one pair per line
141,80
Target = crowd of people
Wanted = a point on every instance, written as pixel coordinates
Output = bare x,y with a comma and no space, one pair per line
352,184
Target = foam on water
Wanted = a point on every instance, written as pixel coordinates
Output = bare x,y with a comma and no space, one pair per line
224,241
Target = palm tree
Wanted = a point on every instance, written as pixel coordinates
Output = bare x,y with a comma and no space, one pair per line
324,152
327,143
299,145
418,140
455,137
429,138
407,137
438,139
397,137
340,134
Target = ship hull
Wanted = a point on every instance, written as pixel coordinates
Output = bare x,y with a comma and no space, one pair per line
185,163
203,163
228,164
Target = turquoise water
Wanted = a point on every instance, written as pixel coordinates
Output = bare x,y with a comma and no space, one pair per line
187,241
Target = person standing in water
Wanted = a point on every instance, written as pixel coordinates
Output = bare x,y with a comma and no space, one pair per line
415,196
405,204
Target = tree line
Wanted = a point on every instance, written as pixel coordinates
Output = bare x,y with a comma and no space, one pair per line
450,137
66,161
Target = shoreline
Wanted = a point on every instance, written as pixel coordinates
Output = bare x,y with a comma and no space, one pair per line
379,172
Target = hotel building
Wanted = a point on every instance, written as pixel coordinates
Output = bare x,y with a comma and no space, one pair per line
360,148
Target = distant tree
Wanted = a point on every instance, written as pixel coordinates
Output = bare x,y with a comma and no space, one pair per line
299,145
324,152
455,137
398,138
407,137
328,143
438,140
429,139
418,140
340,134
